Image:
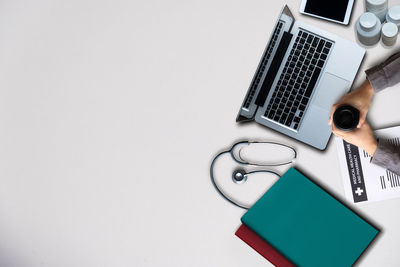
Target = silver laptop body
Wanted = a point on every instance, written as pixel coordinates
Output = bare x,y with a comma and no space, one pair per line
302,73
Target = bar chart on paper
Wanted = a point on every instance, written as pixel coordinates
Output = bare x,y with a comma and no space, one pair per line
364,181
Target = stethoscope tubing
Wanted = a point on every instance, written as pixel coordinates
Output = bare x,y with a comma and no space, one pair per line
243,162
216,186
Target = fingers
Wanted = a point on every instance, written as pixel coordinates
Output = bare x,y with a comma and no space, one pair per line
334,107
341,134
361,122
331,115
366,125
363,116
337,132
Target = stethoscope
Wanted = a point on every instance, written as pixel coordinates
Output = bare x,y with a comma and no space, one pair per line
239,175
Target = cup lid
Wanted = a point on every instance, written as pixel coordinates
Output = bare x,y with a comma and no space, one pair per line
368,21
394,14
389,29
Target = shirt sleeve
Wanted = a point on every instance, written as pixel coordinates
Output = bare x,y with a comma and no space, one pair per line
385,74
387,156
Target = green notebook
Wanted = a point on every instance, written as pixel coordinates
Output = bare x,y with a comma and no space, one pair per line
307,225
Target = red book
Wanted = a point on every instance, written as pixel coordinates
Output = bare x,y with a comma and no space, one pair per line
262,247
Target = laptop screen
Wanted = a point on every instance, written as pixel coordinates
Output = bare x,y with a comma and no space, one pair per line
332,9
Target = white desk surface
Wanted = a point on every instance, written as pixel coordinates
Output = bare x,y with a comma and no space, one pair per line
110,114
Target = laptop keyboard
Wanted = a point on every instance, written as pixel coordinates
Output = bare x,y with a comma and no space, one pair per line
298,79
263,65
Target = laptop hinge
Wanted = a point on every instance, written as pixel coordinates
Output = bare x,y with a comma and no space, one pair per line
273,69
241,118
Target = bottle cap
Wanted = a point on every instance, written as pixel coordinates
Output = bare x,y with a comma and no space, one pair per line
389,33
368,28
368,21
393,15
375,5
389,30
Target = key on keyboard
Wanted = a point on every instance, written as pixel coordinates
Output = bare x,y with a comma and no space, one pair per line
302,68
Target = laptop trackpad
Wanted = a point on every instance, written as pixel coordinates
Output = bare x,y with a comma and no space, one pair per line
330,89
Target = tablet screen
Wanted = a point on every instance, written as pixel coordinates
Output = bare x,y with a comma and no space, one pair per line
332,9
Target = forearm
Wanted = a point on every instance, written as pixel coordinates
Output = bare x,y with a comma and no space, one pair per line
367,91
387,156
385,74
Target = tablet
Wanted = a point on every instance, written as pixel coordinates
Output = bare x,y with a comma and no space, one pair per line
333,10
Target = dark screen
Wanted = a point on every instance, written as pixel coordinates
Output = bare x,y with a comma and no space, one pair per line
333,9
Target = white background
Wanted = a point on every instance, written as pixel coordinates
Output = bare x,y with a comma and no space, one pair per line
110,114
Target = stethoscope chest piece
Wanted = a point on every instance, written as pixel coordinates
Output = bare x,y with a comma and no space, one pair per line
239,176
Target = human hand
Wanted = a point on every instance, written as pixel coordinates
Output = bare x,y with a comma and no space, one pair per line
360,99
362,137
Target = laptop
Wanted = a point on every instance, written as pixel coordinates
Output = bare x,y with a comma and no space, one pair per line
302,73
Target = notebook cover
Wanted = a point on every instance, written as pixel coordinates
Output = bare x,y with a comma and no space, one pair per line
307,225
262,247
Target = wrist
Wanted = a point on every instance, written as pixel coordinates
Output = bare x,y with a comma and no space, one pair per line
368,89
372,147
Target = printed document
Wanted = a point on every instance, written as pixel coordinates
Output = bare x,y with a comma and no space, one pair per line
364,181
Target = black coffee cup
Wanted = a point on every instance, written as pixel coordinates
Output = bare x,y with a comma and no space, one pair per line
346,118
